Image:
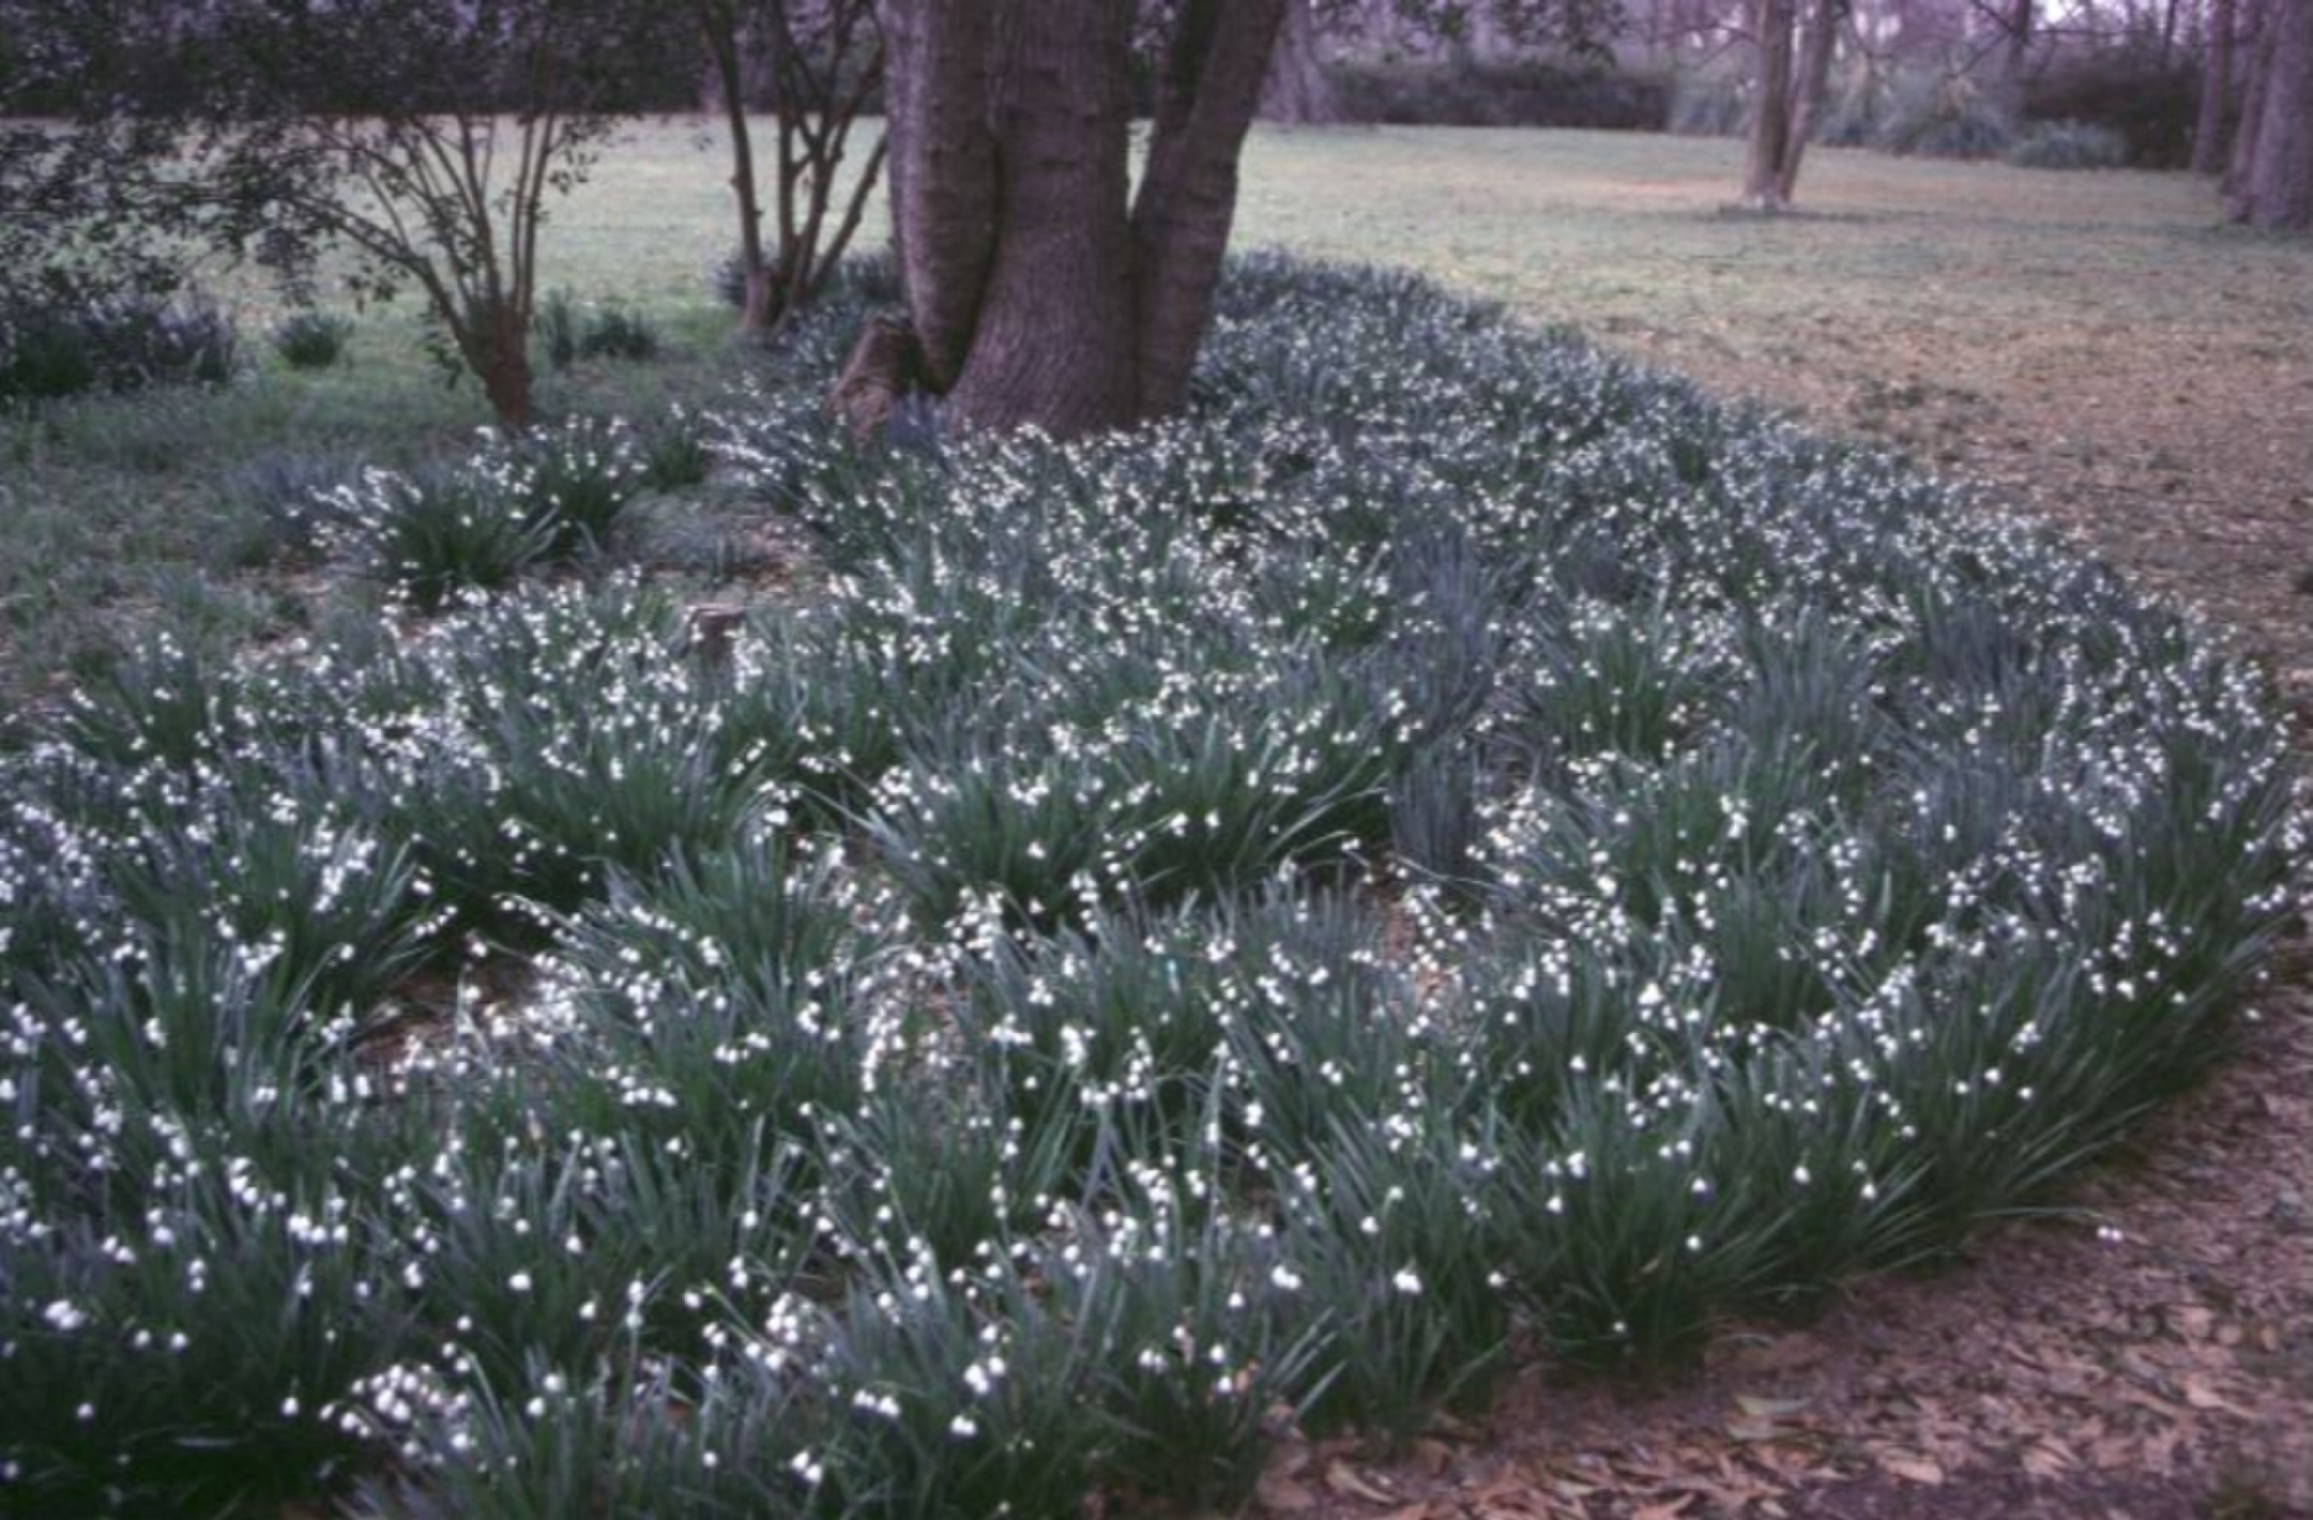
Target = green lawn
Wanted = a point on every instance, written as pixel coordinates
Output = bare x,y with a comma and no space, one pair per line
1955,307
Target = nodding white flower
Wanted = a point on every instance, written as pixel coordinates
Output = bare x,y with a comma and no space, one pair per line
1407,1281
64,1315
963,1428
519,1282
1285,1278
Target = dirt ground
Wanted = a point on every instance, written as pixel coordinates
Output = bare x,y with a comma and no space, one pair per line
2147,1352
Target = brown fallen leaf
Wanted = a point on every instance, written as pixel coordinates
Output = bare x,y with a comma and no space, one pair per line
1346,1481
1913,1469
1277,1492
1670,1510
1432,1458
2049,1458
2201,1394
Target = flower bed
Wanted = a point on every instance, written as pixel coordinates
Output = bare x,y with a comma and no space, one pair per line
1456,849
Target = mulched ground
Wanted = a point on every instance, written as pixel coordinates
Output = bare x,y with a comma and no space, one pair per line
2146,1353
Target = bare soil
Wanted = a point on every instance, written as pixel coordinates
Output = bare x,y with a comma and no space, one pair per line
2146,1351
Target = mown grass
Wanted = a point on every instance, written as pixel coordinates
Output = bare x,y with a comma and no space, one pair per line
2067,301
1453,850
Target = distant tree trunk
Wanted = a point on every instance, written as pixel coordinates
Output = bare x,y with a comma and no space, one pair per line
2209,130
2254,79
2017,45
822,60
2276,189
1809,84
1039,293
1772,22
1296,90
719,28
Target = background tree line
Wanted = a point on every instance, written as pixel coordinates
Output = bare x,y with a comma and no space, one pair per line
428,139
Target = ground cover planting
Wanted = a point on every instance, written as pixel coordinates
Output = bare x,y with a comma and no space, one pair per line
1455,850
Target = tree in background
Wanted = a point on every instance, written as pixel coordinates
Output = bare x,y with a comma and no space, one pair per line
1789,93
2274,148
824,59
1042,289
423,139
1297,90
2212,124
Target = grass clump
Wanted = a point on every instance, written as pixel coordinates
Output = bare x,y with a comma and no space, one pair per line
1257,921
311,339
549,497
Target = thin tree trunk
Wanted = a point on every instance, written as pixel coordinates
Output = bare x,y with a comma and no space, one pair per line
1809,86
2019,39
2252,120
1773,22
2215,115
2277,190
1296,91
759,284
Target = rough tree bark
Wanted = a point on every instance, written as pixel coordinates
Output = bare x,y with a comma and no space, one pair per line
2209,128
2276,187
1809,86
1041,292
1296,91
1773,23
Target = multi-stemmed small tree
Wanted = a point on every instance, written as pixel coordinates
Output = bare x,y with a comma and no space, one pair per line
423,139
824,59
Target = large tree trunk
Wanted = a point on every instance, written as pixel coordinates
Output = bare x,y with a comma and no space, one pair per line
1772,22
2209,138
1038,293
1296,91
1809,85
2276,189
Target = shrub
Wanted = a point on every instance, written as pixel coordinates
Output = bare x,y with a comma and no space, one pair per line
1477,92
1706,102
614,332
64,345
2149,102
311,339
2067,145
1932,113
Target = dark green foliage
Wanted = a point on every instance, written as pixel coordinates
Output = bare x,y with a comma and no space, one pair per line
2067,145
1264,919
311,339
64,344
1476,92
